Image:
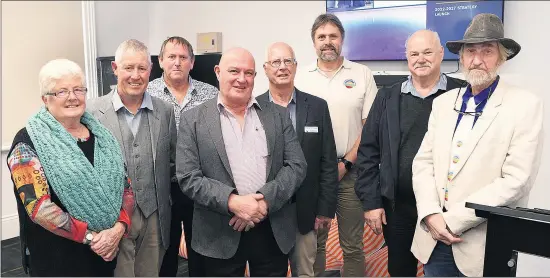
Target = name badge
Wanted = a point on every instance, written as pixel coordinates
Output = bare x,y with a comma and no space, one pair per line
311,129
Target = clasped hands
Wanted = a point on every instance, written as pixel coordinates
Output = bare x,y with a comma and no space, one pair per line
105,243
248,210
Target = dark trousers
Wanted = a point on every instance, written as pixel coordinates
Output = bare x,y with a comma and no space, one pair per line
259,248
398,234
442,262
182,211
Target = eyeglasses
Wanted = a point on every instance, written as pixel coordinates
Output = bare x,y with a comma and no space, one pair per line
471,113
277,63
64,93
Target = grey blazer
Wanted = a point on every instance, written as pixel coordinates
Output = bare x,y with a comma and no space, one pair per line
163,137
205,176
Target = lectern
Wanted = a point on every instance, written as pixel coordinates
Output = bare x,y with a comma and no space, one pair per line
510,231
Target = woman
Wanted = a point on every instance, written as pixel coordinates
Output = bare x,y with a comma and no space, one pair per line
74,199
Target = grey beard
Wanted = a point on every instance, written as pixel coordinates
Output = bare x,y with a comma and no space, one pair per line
329,57
477,79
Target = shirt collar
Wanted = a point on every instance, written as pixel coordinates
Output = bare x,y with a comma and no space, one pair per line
292,99
345,64
191,85
483,95
146,103
251,102
408,87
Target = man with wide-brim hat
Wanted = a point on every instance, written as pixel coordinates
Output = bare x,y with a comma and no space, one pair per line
483,146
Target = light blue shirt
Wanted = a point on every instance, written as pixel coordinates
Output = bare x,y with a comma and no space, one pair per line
407,87
291,107
131,119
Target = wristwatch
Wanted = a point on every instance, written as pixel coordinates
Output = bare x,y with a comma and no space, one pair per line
347,163
88,237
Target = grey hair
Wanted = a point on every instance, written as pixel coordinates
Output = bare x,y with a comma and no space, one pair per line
131,45
55,70
437,39
323,19
503,52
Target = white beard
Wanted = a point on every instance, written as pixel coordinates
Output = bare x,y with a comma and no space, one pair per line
479,77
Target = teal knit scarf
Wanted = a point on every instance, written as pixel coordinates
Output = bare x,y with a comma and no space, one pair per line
92,194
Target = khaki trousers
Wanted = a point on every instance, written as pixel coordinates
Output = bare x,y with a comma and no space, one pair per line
302,255
349,213
141,253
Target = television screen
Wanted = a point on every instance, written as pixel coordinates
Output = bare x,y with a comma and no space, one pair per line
377,30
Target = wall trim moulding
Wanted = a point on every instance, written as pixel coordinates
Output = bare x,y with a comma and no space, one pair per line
90,47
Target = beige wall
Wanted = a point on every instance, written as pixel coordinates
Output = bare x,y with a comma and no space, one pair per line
32,34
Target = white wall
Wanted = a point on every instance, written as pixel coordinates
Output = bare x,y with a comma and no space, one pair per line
32,34
117,21
527,23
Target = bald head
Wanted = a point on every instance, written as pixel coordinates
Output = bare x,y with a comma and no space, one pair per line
237,54
424,54
236,73
423,35
278,47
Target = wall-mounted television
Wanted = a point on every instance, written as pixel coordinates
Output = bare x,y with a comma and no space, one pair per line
377,30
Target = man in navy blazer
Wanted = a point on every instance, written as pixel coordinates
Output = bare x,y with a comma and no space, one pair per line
316,197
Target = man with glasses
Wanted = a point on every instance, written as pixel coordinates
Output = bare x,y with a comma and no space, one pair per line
146,131
349,90
483,145
391,137
316,197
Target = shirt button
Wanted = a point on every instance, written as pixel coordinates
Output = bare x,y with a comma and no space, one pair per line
459,144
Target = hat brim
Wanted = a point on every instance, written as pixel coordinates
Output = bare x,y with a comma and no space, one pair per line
513,46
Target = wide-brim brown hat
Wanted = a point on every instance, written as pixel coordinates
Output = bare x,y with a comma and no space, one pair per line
485,28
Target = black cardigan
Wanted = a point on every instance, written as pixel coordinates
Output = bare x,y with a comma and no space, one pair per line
377,156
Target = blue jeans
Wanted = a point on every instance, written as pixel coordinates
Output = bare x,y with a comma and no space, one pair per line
442,263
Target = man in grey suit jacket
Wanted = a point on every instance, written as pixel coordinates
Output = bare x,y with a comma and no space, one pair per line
146,130
241,163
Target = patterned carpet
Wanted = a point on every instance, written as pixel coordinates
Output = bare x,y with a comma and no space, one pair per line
376,253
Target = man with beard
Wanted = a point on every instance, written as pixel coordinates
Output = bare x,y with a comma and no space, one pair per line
390,139
483,146
349,90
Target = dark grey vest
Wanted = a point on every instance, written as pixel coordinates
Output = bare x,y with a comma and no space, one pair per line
139,159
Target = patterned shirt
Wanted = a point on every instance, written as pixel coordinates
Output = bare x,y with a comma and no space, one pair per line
32,185
197,93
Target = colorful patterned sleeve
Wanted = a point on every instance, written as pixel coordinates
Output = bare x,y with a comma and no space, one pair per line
127,206
33,190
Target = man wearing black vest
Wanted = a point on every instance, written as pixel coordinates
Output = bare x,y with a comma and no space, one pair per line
390,140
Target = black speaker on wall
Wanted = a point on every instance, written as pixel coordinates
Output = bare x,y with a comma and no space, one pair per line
203,70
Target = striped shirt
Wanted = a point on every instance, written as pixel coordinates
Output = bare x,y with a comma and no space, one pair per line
197,93
246,147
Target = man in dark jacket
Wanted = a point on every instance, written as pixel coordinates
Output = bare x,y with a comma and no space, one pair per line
316,197
390,139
